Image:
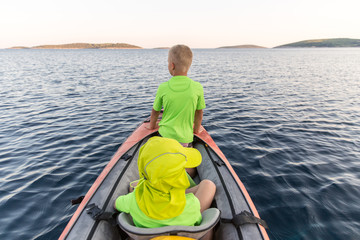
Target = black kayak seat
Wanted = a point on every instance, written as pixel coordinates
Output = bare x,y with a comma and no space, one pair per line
210,217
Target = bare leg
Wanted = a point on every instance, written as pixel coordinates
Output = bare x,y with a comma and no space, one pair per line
205,192
208,235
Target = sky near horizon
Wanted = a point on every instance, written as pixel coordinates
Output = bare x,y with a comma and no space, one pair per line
160,23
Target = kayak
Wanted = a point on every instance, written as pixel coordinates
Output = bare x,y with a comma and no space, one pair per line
95,217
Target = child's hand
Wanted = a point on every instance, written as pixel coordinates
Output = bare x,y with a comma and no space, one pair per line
197,130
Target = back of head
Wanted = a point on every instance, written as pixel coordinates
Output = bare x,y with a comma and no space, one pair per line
181,56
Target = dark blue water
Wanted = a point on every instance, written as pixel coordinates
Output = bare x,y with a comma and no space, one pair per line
288,120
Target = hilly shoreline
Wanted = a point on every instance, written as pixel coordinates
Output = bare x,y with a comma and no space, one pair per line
323,43
83,46
243,46
314,43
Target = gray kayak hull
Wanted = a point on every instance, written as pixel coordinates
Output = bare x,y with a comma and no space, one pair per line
231,197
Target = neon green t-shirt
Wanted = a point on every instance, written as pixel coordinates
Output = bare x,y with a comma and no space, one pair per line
180,97
191,215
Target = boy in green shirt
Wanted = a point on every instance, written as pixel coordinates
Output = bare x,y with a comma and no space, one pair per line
161,197
182,99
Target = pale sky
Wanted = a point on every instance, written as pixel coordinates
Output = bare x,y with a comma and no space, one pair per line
160,23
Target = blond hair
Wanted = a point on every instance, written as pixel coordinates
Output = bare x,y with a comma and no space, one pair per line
181,56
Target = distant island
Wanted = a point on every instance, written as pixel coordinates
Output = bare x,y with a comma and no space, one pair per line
314,43
84,46
326,43
19,47
243,46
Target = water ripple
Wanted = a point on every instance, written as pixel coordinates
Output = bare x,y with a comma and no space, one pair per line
287,120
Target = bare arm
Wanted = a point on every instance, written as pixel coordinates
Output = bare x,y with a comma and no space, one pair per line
198,120
153,119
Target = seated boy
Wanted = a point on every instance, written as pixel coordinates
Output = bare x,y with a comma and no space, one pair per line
161,197
182,99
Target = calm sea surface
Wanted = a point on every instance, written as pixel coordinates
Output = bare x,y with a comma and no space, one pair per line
288,120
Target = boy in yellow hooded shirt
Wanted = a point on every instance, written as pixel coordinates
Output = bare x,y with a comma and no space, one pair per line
161,197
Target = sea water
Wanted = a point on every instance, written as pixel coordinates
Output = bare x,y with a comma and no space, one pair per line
288,121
